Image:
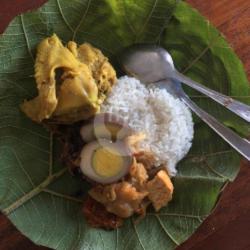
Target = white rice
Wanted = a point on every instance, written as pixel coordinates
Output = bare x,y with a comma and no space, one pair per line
166,121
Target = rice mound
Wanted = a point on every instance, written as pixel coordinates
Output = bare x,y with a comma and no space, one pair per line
165,120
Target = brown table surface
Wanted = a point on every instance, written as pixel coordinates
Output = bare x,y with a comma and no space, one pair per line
229,226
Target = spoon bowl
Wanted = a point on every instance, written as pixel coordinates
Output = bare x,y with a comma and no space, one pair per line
149,63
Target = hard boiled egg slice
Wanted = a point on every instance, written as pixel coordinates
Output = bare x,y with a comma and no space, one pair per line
104,161
107,126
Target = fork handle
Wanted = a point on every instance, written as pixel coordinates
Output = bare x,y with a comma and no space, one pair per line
238,143
237,107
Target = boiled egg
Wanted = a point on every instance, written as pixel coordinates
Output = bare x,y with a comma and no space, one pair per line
105,125
104,161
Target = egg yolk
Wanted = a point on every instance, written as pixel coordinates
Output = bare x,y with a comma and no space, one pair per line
107,162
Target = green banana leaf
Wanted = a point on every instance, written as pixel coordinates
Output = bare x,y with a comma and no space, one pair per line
36,191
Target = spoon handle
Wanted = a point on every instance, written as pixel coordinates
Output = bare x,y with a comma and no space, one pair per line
237,107
238,143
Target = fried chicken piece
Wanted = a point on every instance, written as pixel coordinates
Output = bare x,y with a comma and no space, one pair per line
138,175
121,198
133,141
147,158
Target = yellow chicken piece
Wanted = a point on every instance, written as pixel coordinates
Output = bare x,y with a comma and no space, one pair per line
102,71
78,96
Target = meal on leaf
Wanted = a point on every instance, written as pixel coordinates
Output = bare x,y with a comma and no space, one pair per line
121,136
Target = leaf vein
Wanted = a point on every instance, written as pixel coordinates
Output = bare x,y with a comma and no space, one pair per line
191,216
137,235
34,192
147,20
63,16
166,231
26,38
81,21
64,196
23,142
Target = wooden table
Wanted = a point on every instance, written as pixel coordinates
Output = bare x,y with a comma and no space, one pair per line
229,226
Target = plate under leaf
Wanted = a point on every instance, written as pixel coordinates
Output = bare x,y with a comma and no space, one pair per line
38,194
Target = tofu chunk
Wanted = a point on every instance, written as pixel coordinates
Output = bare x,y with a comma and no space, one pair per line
160,190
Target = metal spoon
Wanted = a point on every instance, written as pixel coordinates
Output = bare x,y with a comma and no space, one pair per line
153,64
